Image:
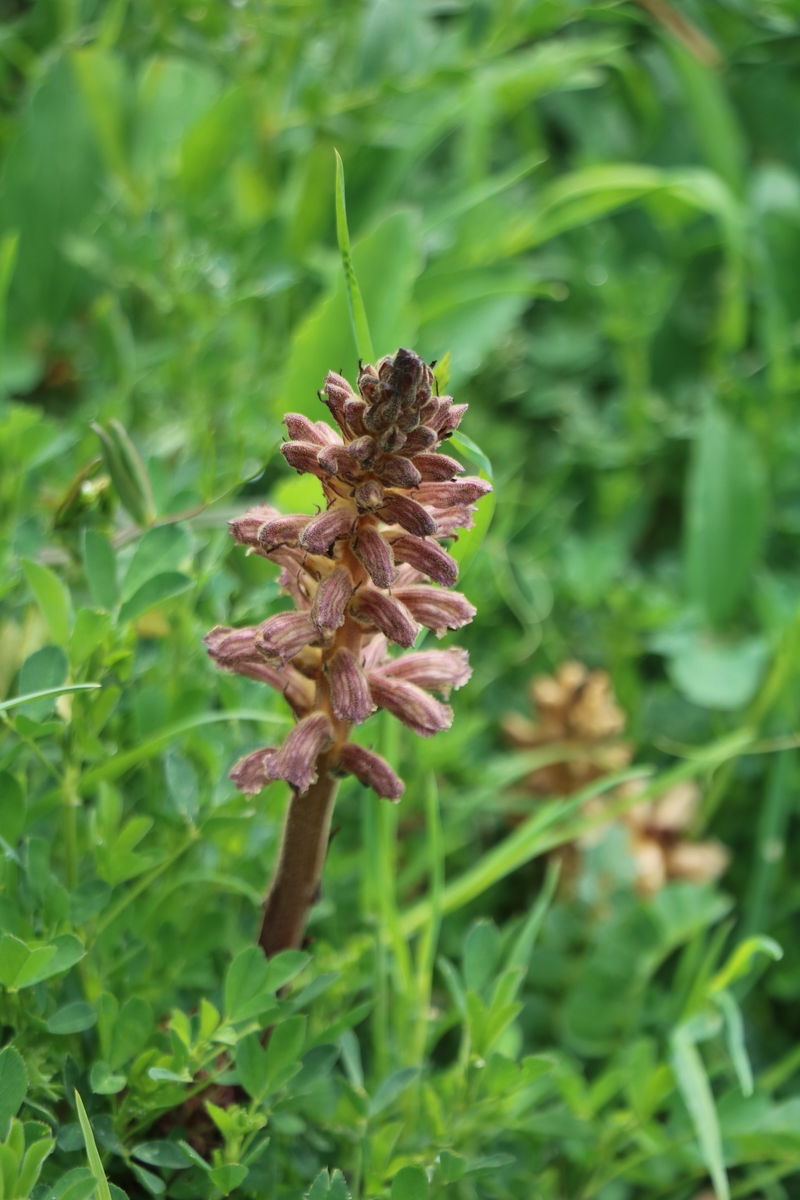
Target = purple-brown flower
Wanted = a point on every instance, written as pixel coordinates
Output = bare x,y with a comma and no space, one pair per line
366,572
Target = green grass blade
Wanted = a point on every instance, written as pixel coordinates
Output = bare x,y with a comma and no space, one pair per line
29,697
699,1099
358,314
102,1191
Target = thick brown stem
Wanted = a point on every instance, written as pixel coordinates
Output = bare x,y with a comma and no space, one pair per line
295,883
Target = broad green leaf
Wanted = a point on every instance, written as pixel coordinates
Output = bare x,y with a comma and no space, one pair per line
95,1162
88,632
43,671
246,987
161,1154
481,953
72,1018
697,1096
31,1166
131,1030
13,956
160,549
156,591
251,1064
740,962
284,1049
725,514
69,950
391,1089
100,565
717,674
12,808
283,967
228,1178
355,303
35,967
410,1183
13,1085
104,1081
52,597
154,1184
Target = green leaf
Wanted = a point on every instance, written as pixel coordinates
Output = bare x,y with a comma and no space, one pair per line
251,1064
32,1164
12,809
734,1033
72,1018
717,674
162,1154
228,1178
100,565
152,1183
697,1096
246,988
725,516
131,1030
391,1089
155,591
452,1167
52,597
104,1081
410,1183
69,950
88,632
128,472
283,968
740,962
42,671
481,954
13,1086
355,304
159,550
284,1050
95,1162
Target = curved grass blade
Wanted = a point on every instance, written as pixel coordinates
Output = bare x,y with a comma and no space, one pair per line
29,697
358,314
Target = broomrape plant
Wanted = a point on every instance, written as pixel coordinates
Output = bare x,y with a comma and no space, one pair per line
366,573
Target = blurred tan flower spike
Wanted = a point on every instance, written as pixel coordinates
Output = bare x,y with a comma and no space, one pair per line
365,573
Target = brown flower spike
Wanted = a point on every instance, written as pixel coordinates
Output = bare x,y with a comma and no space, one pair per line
365,573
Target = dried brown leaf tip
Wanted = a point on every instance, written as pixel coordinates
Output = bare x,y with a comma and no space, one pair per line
576,708
365,573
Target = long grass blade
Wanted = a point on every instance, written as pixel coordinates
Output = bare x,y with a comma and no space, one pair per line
358,314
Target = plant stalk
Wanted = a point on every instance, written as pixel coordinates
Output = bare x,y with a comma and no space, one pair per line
295,884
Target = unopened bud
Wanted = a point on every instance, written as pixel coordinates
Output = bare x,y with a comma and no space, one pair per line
436,468
281,531
320,534
451,418
229,647
363,449
303,457
301,429
400,510
397,472
337,460
410,704
384,612
457,491
435,608
245,528
434,670
297,758
372,771
427,557
419,440
350,695
281,637
375,554
369,496
354,417
330,601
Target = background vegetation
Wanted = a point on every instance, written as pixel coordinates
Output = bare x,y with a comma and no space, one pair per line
595,209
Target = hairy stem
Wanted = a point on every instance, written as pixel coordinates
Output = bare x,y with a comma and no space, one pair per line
295,883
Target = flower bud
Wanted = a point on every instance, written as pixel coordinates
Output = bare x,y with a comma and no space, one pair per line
435,608
297,758
337,460
436,468
434,670
245,528
400,510
281,530
354,417
419,440
372,771
450,520
254,771
363,450
320,534
427,557
303,457
375,554
350,695
457,491
384,612
330,601
335,394
301,429
284,635
369,496
410,704
450,418
229,647
394,471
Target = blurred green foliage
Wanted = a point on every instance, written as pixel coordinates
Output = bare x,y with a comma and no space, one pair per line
593,209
